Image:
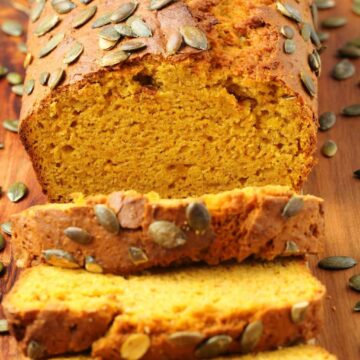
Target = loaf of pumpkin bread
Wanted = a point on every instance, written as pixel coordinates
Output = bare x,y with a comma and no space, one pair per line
185,313
182,97
126,232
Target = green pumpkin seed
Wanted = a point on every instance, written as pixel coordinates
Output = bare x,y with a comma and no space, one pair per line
17,191
214,346
35,350
46,25
315,39
333,22
55,78
11,125
337,263
132,45
37,10
343,70
107,218
327,120
159,4
287,31
123,12
349,51
3,71
84,16
106,44
63,7
6,227
354,282
306,31
315,62
293,206
194,37
28,60
2,268
4,326
174,43
29,86
323,36
74,53
186,338
92,266
109,33
356,173
60,258
352,110
308,83
198,216
124,30
135,346
289,11
329,148
2,243
166,234
44,77
22,47
114,58
356,9
51,44
139,27
18,89
14,78
325,4
291,248
137,255
289,46
12,28
102,21
356,307
314,14
78,235
85,1
251,336
298,312
354,42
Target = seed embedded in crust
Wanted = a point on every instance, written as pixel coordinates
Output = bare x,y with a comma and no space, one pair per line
293,206
198,216
215,346
37,10
107,218
308,83
60,258
114,58
159,4
251,336
298,312
92,265
35,350
51,44
84,16
186,338
17,191
47,25
78,235
123,12
167,234
174,43
135,346
137,255
74,53
194,37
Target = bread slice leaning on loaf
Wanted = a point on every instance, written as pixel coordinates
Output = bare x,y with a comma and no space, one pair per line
209,101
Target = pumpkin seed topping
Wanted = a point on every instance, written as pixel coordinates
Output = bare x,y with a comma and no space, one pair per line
22,47
29,86
291,248
44,77
356,174
17,191
51,44
287,31
329,148
356,8
14,78
74,53
139,27
2,146
135,346
92,266
123,12
354,282
85,1
333,22
106,44
37,10
12,28
343,70
166,234
35,350
325,4
78,235
174,43
349,51
214,346
314,14
289,11
137,255
198,216
107,218
114,58
315,39
2,242
315,62
109,33
308,83
46,25
337,263
289,46
132,45
356,307
293,206
102,21
21,7
194,37
63,6
354,42
159,4
18,89
84,16
4,326
60,258
251,336
186,338
28,60
323,36
6,227
327,120
11,125
55,78
3,71
306,31
352,110
298,312
124,30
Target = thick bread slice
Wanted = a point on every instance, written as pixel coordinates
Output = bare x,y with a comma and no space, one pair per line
247,222
65,310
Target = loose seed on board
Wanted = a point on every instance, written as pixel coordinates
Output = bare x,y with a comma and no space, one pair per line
173,43
186,338
51,44
35,350
315,62
74,53
198,216
46,25
107,218
298,312
354,42
44,77
132,45
325,4
37,10
251,336
123,12
329,148
135,346
343,70
18,89
6,227
55,78
2,242
4,326
291,248
137,255
214,346
17,191
356,307
287,31
78,235
194,37
306,31
327,120
61,258
63,7
29,86
12,28
14,78
289,46
352,110
337,263
159,4
84,16
308,83
356,174
3,71
349,51
102,21
139,27
11,125
354,282
114,58
293,206
92,266
124,30
289,11
333,22
166,234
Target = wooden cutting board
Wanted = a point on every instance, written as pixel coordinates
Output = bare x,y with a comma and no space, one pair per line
332,179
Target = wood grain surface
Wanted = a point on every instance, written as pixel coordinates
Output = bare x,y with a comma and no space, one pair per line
332,179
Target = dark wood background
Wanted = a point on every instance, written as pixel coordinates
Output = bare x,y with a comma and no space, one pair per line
332,179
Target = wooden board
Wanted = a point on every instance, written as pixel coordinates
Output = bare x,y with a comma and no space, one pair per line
332,179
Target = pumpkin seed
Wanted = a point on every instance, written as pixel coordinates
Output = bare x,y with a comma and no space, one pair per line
37,10
17,191
132,45
35,350
29,86
289,46
198,216
85,1
114,58
44,77
214,346
291,248
74,53
2,268
287,31
357,173
14,78
337,263
323,36
159,4
123,12
293,206
6,227
22,47
349,51
194,37
315,62
139,27
314,14
166,234
55,78
315,38
137,255
28,60
124,30
356,8
354,42
107,218
306,31
325,4
109,33
333,22
135,346
329,148
298,312
12,28
2,243
352,110
327,120
186,338
354,282
78,235
106,44
356,307
174,43
11,125
102,21
63,7
18,89
46,25
251,336
61,258
4,326
92,266
308,83
289,11
84,16
3,71
51,44
2,146
343,70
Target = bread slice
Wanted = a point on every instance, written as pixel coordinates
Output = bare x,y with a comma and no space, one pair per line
172,315
236,224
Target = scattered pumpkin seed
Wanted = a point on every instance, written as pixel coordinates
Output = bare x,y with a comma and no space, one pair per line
325,4
293,206
114,58
29,86
291,248
352,110
314,14
12,28
2,242
137,255
308,83
3,71
327,120
4,326
102,21
166,234
51,44
315,38
214,346
106,44
78,235
356,307
186,338
22,47
74,53
44,77
356,8
85,1
109,33
159,4
337,263
315,62
46,25
251,336
124,30
2,267
132,45
123,12
14,78
107,218
289,11
174,43
135,346
18,89
84,16
329,148
349,51
139,27
357,173
55,78
92,266
6,227
298,312
28,60
11,125
354,282
17,191
63,6
289,46
61,258
35,350
306,31
323,36
343,70
333,22
198,216
354,42
194,37
37,10
287,31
